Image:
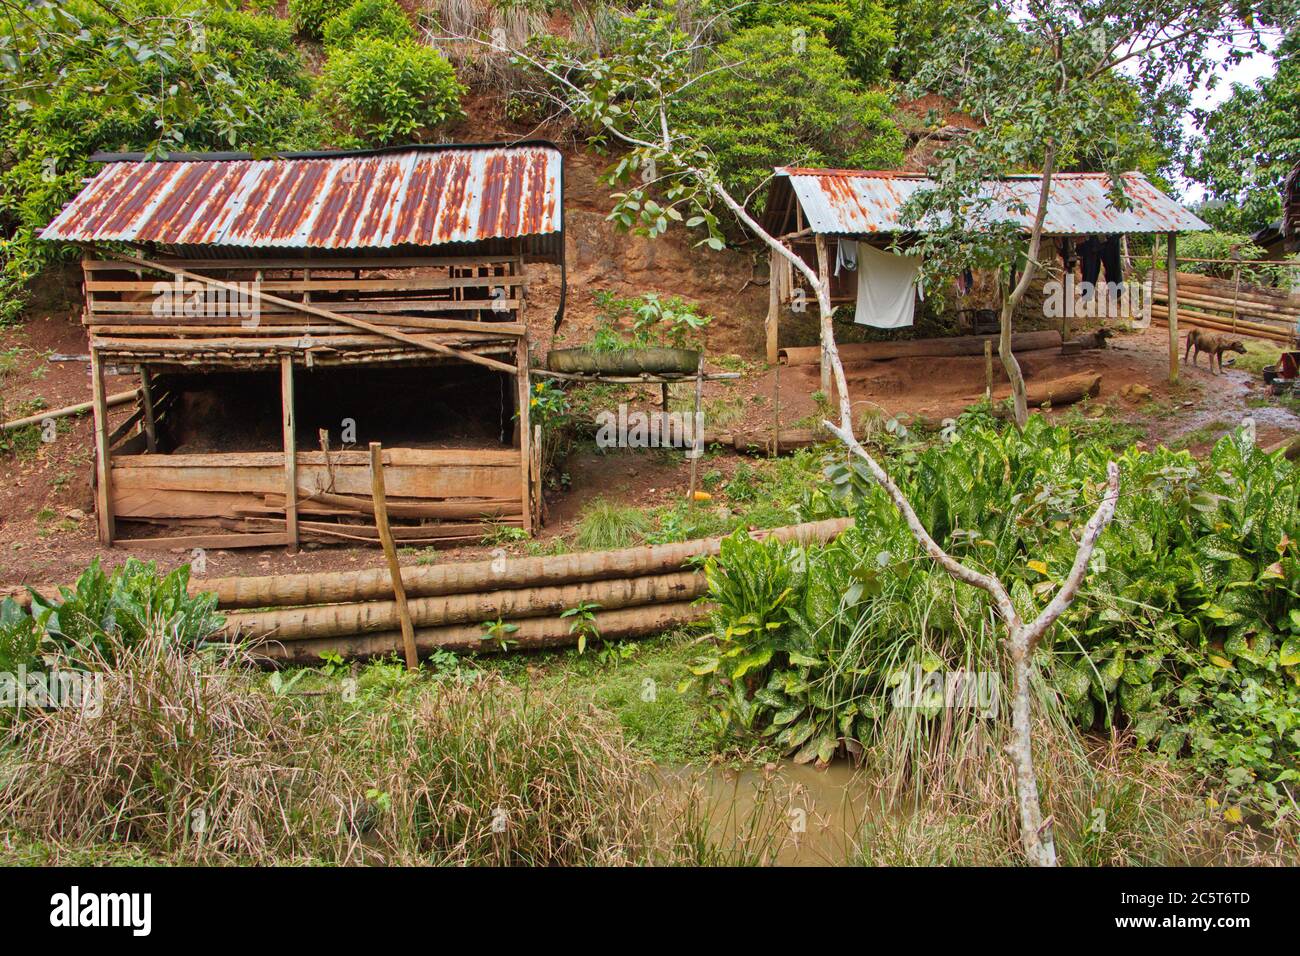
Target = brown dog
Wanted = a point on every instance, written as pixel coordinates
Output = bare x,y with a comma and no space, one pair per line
1213,345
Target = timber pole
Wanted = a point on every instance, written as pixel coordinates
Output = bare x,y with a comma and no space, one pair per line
1171,267
390,553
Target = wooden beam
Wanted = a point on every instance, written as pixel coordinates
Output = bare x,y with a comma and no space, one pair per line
525,431
103,473
417,341
390,554
121,398
289,425
773,309
823,276
1171,266
146,404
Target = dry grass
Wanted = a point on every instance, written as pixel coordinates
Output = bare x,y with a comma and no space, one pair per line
195,760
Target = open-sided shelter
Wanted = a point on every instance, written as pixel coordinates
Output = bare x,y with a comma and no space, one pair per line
282,313
811,210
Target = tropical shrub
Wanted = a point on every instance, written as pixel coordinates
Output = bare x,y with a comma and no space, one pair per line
310,16
102,612
1184,634
766,104
382,19
384,92
861,31
650,319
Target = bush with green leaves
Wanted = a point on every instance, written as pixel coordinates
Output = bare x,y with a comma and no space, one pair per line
861,31
382,19
759,103
182,76
1186,633
385,93
310,16
122,609
651,320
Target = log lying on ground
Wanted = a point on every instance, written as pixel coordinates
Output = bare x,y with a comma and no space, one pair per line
294,590
949,347
533,633
368,617
1063,391
121,398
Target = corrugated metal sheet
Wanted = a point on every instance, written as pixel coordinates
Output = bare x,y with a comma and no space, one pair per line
854,202
413,197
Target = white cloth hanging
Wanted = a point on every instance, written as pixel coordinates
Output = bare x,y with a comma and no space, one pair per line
886,288
846,256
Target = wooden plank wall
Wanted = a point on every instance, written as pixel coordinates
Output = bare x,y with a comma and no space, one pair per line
436,495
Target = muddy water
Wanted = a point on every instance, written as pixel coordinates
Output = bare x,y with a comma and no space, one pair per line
789,814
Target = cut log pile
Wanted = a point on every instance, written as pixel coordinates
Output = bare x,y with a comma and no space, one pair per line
1220,305
294,619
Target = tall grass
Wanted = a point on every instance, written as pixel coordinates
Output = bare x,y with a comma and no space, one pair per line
197,759
604,525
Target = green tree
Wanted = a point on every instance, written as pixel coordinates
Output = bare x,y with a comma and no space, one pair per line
384,92
768,98
153,76
1249,144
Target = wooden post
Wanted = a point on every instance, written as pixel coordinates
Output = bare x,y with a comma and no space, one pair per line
1171,267
390,552
823,277
537,474
776,410
525,431
988,370
697,428
149,423
103,469
289,425
773,309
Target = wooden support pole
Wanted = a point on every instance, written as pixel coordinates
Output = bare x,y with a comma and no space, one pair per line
823,276
390,553
988,370
149,422
103,471
289,424
1171,266
525,431
697,428
773,310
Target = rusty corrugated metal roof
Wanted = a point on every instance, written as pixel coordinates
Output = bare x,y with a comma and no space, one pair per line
857,202
415,196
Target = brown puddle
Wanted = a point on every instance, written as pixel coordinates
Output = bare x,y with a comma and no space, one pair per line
785,813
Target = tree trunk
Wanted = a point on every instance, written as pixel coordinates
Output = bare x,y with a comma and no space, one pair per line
1040,850
1012,366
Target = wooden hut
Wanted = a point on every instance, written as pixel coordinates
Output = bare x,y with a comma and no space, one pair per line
283,313
810,210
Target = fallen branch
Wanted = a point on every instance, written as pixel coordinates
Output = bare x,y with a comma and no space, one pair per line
121,398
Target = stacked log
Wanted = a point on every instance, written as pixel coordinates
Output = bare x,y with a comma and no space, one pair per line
949,347
294,619
1219,305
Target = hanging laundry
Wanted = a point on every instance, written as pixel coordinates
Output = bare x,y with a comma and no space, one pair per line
965,282
846,256
886,288
1096,253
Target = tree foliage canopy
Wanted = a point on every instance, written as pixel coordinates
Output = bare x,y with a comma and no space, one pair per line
1250,143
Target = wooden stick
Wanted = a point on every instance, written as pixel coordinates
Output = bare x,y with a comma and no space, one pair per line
146,402
289,425
988,370
390,552
112,401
